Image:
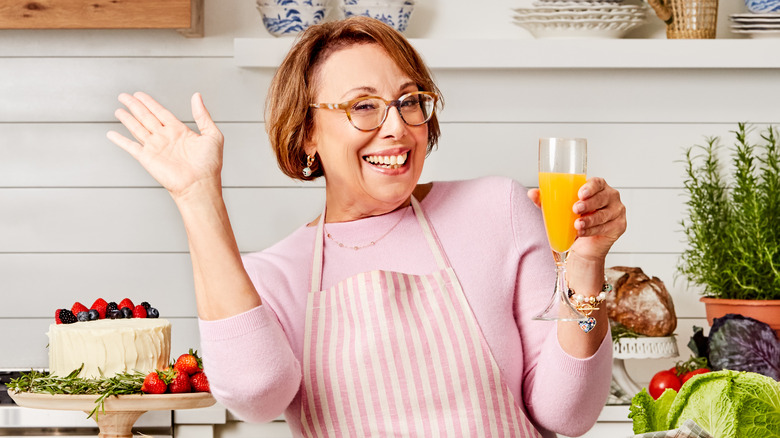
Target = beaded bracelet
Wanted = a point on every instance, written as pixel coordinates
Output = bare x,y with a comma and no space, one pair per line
586,305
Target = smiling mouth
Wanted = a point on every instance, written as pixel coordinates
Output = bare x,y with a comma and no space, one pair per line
387,161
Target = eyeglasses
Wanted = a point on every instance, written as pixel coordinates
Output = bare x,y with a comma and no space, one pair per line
369,112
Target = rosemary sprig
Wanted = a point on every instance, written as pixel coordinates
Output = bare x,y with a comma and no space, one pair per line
44,383
619,331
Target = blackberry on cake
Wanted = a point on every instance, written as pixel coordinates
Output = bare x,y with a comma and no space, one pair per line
64,316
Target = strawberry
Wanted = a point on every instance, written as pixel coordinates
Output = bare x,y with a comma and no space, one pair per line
126,303
100,305
180,383
188,363
57,316
78,308
139,311
199,382
154,384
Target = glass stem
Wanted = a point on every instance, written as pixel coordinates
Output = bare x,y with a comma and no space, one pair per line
560,272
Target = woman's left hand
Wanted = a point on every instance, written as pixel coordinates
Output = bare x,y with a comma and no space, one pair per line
602,218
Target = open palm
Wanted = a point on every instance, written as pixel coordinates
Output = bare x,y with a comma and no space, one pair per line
173,154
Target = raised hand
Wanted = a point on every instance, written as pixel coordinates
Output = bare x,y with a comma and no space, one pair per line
602,218
180,159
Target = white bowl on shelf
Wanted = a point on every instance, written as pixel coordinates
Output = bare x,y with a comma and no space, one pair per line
763,6
373,3
291,3
290,20
579,28
396,16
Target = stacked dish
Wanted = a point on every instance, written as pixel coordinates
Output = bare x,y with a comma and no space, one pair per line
573,19
756,25
394,13
288,17
763,6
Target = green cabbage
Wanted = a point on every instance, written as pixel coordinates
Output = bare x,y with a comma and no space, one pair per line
727,404
651,415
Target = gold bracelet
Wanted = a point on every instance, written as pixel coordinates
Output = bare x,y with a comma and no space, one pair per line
586,305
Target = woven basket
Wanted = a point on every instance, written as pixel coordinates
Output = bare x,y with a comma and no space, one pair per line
693,19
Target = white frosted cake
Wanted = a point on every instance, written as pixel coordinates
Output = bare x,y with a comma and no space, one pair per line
109,346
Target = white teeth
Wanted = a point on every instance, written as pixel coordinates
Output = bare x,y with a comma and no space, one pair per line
389,161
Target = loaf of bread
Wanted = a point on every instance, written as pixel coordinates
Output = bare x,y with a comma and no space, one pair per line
640,303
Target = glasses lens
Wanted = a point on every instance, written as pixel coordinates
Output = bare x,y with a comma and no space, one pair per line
367,114
417,109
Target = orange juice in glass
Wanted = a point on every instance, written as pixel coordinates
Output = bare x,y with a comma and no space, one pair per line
559,193
562,170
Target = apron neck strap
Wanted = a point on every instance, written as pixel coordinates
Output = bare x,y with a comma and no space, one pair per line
319,243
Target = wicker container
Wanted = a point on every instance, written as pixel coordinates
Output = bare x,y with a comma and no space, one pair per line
692,19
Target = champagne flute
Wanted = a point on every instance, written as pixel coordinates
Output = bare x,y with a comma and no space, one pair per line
562,169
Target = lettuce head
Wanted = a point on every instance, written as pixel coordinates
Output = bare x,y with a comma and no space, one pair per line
728,404
651,415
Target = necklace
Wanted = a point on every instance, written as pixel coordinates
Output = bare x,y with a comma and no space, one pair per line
371,243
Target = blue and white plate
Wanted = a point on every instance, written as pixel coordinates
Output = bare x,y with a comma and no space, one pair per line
763,6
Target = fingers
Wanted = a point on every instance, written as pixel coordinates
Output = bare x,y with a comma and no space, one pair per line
601,214
125,143
202,117
139,131
140,111
535,196
158,111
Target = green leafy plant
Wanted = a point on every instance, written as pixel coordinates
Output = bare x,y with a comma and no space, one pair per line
44,383
733,223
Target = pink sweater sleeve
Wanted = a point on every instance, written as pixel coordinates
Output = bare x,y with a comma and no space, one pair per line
561,392
258,392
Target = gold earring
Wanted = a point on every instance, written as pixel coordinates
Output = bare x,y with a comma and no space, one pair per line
309,162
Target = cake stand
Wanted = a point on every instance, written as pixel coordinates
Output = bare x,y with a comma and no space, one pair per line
638,348
121,411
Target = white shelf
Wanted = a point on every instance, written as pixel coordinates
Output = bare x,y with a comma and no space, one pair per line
555,53
615,413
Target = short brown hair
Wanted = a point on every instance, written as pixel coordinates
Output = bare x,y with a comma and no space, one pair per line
288,118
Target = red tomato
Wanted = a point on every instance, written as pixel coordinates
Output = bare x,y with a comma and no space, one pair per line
690,374
662,380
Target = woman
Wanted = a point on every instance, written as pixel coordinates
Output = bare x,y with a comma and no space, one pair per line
417,319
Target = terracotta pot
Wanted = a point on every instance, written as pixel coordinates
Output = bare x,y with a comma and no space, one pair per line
767,311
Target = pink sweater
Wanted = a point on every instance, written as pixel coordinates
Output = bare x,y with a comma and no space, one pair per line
494,238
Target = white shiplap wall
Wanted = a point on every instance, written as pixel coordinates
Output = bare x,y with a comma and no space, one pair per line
80,219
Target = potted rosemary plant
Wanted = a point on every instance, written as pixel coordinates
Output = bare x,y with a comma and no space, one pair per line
733,226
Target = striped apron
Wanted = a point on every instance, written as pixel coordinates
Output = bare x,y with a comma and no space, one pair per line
391,354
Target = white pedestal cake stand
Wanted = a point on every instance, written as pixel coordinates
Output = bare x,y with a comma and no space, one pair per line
121,411
638,348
